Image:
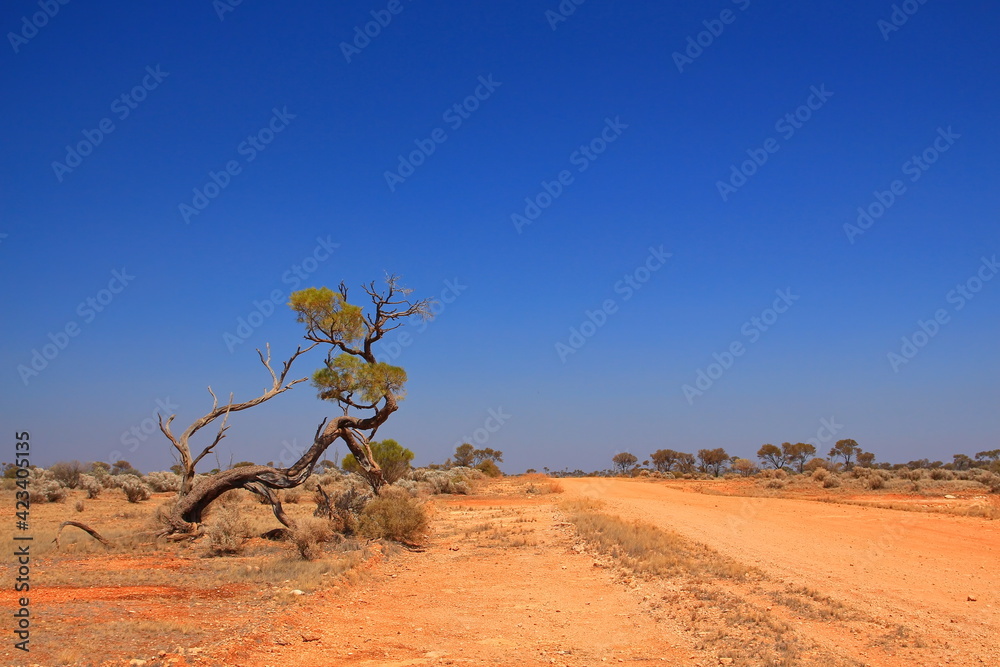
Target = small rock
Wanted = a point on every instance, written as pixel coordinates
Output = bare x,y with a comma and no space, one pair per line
948,495
310,638
136,662
298,592
970,599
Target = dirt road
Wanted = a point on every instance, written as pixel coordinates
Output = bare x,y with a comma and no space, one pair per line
935,574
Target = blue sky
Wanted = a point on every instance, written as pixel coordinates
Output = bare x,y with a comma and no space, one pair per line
204,94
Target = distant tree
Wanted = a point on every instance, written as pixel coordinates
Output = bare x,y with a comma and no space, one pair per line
798,453
487,454
664,459
772,456
123,467
624,461
988,455
865,459
530,471
489,468
98,468
685,462
9,471
393,458
68,472
327,464
465,455
713,460
177,469
243,464
745,467
846,449
962,462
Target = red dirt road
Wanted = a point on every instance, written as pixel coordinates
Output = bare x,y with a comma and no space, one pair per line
914,569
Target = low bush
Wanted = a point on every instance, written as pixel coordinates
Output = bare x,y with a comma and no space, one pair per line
309,536
875,482
227,530
163,481
831,482
393,516
135,489
91,485
820,474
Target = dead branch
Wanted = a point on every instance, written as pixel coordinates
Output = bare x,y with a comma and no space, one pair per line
84,527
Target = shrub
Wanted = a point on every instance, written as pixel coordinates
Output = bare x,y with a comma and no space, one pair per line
227,531
78,506
393,516
68,472
48,491
489,468
309,536
820,474
815,464
135,489
831,482
875,482
775,484
291,496
164,481
90,484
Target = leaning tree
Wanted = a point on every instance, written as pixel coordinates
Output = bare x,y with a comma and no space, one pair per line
366,390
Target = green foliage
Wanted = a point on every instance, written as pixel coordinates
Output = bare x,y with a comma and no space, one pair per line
393,458
244,464
9,471
489,468
393,516
123,467
465,455
98,468
348,375
845,449
327,313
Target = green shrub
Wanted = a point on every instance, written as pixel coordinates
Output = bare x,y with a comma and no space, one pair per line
393,516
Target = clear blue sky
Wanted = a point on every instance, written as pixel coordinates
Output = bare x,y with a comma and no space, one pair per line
677,125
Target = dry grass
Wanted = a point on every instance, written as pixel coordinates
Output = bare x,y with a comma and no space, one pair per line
647,549
734,610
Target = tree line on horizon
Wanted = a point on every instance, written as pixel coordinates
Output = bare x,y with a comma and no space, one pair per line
801,457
